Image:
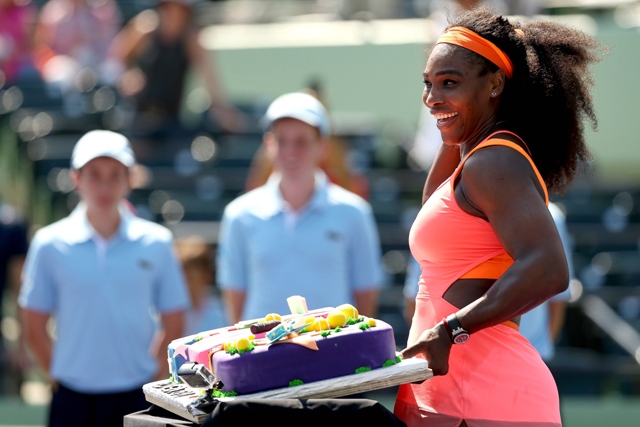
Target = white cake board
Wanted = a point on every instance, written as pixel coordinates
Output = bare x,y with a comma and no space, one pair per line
177,398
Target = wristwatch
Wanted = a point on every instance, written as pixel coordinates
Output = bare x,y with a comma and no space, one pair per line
457,333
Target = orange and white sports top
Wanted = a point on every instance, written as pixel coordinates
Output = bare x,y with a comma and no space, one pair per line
460,245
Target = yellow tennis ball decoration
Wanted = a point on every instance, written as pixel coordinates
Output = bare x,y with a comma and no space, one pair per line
349,311
251,337
372,322
242,344
272,316
336,319
321,325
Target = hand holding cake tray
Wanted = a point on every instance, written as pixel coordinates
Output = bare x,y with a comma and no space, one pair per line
323,353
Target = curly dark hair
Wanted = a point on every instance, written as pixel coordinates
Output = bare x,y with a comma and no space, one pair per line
548,97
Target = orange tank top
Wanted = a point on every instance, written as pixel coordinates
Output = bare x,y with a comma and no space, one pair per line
460,245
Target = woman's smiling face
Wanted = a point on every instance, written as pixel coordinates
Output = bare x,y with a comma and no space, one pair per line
458,92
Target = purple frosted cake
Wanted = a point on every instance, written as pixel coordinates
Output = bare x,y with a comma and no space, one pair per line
292,350
282,364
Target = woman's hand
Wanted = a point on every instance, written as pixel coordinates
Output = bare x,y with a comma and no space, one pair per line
435,345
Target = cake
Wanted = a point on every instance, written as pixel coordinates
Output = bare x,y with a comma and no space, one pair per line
283,351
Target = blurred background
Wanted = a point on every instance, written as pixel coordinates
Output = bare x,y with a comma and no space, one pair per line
364,59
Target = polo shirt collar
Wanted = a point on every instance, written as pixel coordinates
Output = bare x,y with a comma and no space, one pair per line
81,230
275,204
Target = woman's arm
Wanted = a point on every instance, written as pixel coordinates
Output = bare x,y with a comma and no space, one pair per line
205,67
127,44
224,112
446,161
502,185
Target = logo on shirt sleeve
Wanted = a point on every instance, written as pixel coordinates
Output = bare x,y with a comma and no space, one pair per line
145,264
335,236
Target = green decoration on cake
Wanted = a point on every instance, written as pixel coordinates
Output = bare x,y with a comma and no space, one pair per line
337,330
389,363
295,382
303,331
325,333
198,338
219,394
231,350
363,369
398,359
250,348
364,326
351,321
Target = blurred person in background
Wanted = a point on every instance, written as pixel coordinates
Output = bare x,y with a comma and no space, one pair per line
526,7
113,285
298,234
17,19
158,46
73,36
13,248
485,240
440,11
334,162
196,257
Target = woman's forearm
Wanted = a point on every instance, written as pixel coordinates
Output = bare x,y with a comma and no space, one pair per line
519,290
446,161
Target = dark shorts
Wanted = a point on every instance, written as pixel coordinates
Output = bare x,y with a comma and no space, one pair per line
73,409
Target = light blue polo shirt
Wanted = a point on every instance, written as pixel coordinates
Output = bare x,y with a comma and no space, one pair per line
324,253
105,298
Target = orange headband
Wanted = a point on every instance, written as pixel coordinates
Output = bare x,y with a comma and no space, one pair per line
469,40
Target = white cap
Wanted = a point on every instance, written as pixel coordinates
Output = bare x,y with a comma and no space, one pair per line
102,143
300,106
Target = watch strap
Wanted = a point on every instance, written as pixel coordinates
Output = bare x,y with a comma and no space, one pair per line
457,334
